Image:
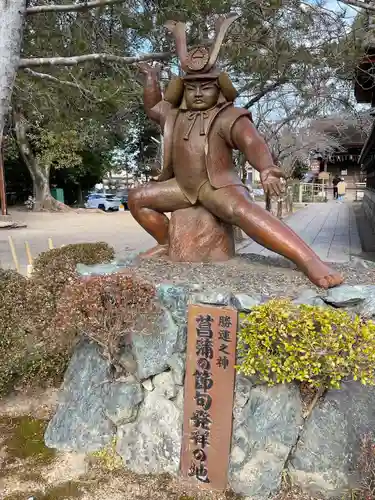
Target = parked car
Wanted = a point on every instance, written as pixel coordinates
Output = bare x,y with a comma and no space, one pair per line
106,202
258,192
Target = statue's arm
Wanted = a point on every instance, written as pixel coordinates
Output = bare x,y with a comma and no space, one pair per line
155,106
246,138
151,91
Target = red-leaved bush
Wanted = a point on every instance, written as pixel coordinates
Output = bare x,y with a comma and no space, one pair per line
106,309
42,318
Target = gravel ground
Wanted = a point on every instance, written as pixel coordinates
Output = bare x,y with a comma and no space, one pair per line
249,274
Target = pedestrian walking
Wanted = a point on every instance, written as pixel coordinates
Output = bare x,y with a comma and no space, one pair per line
335,181
341,190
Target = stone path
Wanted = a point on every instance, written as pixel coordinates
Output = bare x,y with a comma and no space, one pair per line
329,228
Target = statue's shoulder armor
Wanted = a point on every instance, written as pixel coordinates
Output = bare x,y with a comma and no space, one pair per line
227,117
230,114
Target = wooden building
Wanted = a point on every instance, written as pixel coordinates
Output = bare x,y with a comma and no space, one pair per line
342,160
364,91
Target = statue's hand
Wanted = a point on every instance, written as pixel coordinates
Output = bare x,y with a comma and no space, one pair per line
156,172
147,69
271,181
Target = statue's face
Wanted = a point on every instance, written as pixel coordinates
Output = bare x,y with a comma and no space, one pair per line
201,94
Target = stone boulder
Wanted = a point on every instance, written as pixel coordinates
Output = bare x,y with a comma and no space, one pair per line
152,350
349,295
195,235
152,444
175,300
326,456
91,403
266,427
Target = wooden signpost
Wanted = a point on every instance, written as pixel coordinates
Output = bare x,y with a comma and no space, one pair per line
209,393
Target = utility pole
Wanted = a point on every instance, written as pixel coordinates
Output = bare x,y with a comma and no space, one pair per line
3,195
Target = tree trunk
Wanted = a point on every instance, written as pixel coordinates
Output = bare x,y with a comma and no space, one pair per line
280,208
268,203
11,28
40,174
80,199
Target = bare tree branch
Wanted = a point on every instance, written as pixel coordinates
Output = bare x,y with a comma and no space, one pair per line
266,90
358,3
75,60
45,76
71,7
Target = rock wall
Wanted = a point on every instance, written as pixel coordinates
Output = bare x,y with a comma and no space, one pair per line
143,411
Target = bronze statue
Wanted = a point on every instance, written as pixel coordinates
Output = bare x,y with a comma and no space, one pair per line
201,127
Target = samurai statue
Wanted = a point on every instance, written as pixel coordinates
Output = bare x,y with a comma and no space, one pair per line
201,127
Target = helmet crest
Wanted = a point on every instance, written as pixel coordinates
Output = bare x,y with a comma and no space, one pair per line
199,61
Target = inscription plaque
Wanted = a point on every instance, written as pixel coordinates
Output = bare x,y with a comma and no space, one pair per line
209,392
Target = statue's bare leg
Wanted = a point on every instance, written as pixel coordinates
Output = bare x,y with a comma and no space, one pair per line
148,205
233,205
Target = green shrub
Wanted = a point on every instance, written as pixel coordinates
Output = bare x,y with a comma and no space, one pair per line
56,268
12,301
281,342
26,367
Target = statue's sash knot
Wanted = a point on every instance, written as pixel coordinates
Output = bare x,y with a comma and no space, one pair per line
192,116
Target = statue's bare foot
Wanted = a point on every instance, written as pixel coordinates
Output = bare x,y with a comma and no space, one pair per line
155,252
321,274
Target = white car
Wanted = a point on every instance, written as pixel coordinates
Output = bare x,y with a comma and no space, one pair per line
106,202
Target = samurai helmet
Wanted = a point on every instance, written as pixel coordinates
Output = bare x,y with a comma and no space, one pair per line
199,62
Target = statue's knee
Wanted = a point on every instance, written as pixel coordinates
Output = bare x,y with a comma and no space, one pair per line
237,213
135,199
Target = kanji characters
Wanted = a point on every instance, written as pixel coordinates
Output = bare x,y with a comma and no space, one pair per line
199,471
203,380
225,321
203,400
204,329
201,419
222,362
224,349
200,438
225,335
205,348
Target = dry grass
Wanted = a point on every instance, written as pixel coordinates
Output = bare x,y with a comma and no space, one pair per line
294,494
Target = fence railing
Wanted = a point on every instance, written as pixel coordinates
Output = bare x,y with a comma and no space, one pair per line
315,193
309,192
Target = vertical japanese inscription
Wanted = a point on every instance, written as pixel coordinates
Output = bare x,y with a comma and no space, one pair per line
209,388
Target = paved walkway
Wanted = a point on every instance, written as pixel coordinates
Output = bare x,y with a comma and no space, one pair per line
329,228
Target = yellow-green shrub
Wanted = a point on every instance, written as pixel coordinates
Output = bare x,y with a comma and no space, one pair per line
282,342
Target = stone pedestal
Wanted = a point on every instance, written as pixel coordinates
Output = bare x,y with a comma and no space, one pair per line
195,235
142,410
